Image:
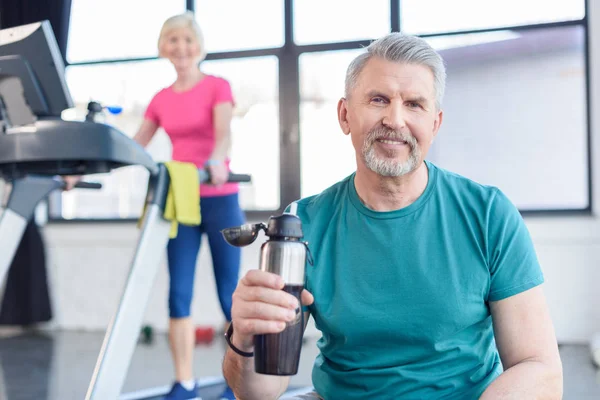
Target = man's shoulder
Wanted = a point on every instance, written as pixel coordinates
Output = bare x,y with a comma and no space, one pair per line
477,199
465,188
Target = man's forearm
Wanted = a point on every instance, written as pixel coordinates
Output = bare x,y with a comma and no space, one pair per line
527,380
247,384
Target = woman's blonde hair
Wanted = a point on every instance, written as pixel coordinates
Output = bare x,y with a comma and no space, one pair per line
185,20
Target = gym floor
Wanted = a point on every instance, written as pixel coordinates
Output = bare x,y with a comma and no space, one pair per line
58,365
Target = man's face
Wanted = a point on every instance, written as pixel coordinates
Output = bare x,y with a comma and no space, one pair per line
391,116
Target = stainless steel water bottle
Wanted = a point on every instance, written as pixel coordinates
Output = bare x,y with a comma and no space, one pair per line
284,254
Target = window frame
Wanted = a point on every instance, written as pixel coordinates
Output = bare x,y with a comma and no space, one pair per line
289,101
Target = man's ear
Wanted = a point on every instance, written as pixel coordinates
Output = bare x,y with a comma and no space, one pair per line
436,124
342,111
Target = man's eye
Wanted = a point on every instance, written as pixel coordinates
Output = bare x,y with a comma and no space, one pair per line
379,100
414,104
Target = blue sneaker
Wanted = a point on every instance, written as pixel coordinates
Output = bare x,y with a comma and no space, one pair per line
178,392
227,394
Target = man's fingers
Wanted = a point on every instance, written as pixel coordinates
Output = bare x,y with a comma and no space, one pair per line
266,295
257,277
264,311
307,298
251,327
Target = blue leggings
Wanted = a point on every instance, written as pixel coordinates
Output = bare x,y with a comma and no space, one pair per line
182,252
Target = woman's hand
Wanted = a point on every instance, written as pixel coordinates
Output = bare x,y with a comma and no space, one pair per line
71,181
218,173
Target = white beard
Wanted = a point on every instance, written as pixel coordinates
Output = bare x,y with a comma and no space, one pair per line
385,166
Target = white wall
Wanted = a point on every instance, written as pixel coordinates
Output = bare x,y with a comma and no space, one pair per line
88,262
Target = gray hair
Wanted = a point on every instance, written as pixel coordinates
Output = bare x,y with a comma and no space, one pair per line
401,48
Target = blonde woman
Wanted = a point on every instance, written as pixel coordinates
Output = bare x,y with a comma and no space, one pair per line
195,111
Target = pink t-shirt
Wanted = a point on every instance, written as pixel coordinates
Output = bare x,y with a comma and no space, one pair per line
187,117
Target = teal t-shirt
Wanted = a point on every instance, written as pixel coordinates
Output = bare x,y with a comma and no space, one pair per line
401,297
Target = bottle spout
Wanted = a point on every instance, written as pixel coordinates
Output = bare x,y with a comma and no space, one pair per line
244,235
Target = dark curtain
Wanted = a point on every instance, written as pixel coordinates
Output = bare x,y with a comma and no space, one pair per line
26,297
21,12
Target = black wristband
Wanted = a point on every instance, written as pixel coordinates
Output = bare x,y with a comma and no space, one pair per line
228,336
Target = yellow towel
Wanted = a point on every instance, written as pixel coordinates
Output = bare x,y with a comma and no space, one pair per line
182,205
183,199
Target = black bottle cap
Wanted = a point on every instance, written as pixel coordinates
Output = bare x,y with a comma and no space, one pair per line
286,225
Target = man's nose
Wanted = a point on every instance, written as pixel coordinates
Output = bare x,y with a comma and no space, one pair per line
395,116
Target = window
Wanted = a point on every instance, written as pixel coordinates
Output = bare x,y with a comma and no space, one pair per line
515,116
515,109
255,126
131,85
340,20
326,154
240,25
114,29
438,16
510,127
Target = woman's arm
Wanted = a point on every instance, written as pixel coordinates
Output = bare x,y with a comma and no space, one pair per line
222,115
146,132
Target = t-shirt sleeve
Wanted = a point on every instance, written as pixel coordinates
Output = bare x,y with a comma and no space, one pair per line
292,208
152,111
512,260
223,92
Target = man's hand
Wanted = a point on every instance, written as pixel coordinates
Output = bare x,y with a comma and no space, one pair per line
260,306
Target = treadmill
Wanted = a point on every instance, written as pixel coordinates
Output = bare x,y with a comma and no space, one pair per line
36,146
